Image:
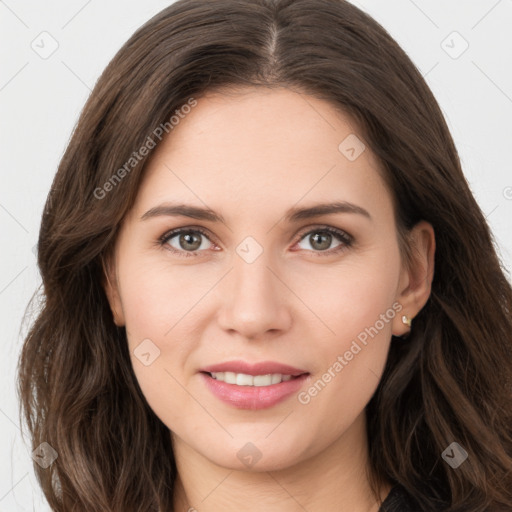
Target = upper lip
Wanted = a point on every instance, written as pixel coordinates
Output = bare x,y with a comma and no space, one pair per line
261,368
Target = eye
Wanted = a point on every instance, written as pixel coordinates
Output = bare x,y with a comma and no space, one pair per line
187,241
321,239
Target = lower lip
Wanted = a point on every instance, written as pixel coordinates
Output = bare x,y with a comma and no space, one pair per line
253,397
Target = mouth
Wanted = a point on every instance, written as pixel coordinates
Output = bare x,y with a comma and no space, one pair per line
254,392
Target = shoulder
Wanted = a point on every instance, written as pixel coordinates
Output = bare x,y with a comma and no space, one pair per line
399,500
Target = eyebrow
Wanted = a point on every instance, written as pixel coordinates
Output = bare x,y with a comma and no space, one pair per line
292,215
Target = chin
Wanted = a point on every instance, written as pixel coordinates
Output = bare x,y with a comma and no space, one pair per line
256,456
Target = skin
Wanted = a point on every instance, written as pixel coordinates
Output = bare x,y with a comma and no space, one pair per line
251,155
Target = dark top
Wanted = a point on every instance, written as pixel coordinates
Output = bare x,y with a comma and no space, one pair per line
399,500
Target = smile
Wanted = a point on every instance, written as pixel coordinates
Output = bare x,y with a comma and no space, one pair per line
253,392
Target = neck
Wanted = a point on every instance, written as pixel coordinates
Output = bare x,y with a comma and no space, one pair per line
334,479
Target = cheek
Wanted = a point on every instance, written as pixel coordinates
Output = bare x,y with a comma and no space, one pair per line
156,296
161,305
157,356
351,296
357,303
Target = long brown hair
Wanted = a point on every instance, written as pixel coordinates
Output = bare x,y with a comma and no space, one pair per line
450,381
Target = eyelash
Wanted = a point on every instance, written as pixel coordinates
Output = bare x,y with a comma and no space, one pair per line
343,237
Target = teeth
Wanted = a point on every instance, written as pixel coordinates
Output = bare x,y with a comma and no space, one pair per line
242,379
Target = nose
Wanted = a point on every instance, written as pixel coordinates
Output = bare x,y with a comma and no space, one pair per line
254,299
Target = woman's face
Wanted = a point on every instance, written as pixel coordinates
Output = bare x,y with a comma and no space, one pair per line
266,284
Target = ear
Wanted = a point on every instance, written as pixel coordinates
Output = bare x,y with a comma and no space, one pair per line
112,290
416,276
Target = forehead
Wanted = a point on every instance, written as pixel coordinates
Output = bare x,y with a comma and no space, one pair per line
253,148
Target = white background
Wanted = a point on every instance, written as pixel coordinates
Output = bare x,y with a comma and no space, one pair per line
40,100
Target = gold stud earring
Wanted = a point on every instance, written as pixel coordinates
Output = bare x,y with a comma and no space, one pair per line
406,320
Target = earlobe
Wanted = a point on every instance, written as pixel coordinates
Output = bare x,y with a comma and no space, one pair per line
407,321
417,276
112,292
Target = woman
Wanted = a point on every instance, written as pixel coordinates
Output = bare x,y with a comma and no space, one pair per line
267,283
